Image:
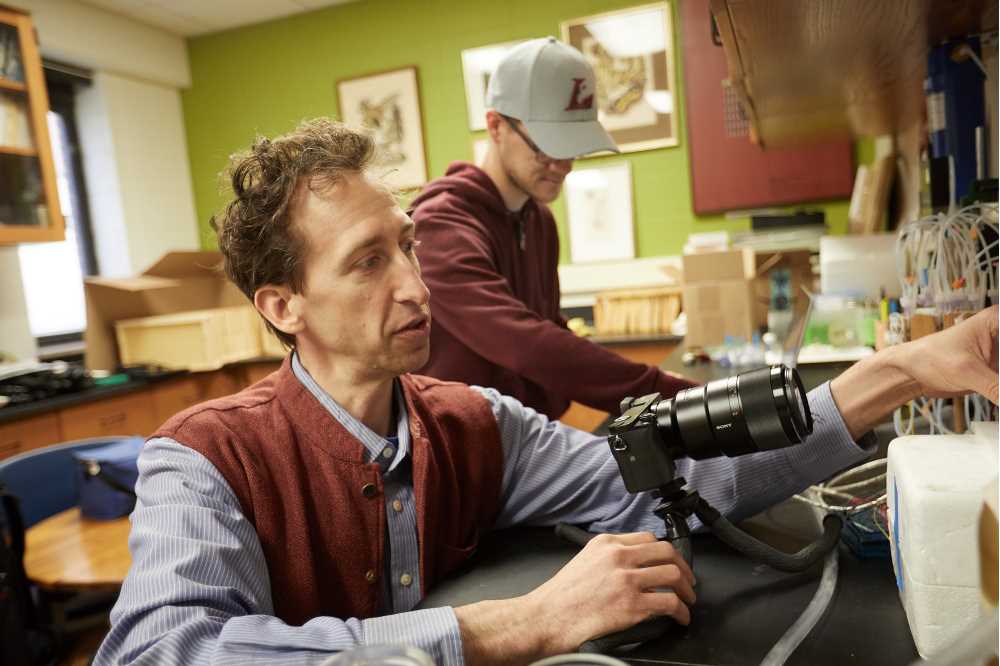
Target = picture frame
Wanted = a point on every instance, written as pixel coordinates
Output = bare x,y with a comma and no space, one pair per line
599,213
387,103
632,53
478,64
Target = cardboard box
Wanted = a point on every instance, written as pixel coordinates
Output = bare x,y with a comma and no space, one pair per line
178,282
738,264
717,309
798,263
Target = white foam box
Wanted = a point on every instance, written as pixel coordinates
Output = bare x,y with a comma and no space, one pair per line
935,486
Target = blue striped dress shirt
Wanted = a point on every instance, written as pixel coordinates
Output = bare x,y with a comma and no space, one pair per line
198,590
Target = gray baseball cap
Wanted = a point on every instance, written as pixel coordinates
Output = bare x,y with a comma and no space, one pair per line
551,88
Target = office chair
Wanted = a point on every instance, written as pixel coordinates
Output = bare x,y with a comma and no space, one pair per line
44,479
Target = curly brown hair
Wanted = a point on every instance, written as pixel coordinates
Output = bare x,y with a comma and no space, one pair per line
258,241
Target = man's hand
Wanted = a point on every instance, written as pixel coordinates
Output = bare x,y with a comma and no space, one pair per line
958,360
610,585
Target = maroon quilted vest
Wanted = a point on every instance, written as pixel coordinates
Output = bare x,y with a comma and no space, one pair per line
318,508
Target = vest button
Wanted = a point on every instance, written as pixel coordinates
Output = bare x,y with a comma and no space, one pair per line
406,580
370,576
397,506
369,490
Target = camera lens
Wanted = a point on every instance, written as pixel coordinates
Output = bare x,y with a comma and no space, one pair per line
754,411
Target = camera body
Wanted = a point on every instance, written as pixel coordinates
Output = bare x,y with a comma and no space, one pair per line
750,412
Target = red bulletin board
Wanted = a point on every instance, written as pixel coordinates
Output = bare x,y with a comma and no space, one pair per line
728,172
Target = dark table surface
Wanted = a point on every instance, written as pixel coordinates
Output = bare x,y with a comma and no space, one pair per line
743,608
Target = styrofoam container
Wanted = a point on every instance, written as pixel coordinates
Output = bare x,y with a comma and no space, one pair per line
935,486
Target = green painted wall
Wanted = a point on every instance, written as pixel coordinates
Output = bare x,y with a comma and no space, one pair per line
265,78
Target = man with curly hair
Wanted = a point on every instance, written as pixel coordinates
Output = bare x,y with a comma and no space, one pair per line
311,512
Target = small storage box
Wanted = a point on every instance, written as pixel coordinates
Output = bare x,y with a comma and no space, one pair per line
194,340
636,311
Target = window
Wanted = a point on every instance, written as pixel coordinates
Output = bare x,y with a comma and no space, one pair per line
52,273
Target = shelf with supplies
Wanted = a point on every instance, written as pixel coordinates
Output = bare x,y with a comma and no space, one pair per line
29,200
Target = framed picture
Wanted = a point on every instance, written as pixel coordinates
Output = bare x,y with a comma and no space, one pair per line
599,211
388,104
478,65
632,54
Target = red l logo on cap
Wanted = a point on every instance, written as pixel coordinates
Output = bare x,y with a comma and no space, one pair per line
577,104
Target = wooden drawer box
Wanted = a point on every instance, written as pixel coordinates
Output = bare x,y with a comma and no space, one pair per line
131,414
30,433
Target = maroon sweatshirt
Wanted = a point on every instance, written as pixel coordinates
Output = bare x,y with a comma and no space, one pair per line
495,302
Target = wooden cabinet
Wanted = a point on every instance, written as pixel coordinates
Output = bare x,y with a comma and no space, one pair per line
651,353
29,202
174,396
257,371
131,414
137,413
30,433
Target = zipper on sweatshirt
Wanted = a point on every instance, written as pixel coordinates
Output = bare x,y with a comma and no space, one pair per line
522,236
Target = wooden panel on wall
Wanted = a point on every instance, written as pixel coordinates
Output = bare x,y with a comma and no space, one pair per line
30,433
728,171
130,414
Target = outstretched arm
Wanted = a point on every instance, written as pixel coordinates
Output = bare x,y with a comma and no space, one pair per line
953,362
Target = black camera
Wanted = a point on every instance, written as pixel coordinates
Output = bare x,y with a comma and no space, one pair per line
753,411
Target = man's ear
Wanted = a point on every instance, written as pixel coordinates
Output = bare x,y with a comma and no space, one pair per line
280,306
493,123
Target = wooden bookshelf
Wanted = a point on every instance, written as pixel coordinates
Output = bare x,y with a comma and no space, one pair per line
29,200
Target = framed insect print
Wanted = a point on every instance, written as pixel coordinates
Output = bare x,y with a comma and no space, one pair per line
388,105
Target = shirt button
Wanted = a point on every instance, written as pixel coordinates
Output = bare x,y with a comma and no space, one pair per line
370,576
397,506
388,452
369,490
406,580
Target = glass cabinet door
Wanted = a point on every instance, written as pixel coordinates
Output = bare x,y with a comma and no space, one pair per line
29,205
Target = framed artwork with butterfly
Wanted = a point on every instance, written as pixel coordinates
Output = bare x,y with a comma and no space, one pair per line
632,53
388,105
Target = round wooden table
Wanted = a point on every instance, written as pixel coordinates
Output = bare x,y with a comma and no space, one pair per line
68,551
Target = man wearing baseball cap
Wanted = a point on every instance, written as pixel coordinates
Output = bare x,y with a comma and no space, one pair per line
490,248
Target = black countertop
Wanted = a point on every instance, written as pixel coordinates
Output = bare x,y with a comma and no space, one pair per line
14,412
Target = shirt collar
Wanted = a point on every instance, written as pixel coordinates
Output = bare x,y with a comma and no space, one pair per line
374,443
